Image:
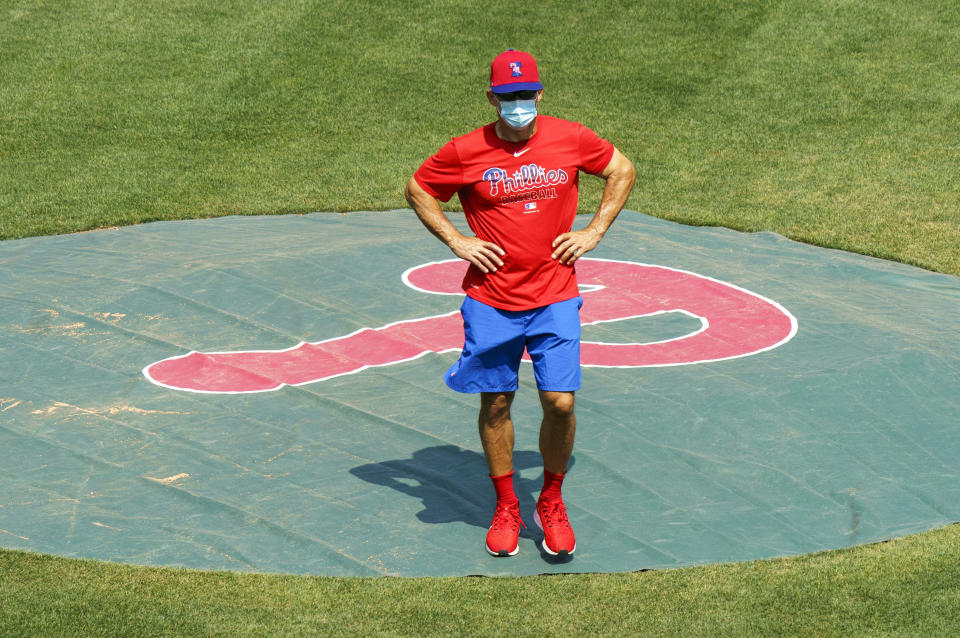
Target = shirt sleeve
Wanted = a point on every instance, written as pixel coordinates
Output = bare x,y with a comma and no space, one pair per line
442,174
595,152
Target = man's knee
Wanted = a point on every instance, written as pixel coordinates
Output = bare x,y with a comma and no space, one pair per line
495,408
558,405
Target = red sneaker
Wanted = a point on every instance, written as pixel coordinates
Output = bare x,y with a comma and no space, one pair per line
504,533
551,517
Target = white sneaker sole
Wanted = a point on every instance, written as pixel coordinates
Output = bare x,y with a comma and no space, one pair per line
536,519
501,554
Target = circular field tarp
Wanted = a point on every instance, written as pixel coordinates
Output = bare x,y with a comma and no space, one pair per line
265,393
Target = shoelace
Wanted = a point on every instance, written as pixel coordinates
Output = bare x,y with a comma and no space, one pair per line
507,515
554,513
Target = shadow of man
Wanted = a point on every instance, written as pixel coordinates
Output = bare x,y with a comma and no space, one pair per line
454,484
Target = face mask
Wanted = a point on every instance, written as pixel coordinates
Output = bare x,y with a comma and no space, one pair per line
518,113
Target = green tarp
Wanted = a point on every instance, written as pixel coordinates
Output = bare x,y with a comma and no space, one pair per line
845,434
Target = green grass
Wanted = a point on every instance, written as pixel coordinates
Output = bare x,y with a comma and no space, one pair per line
908,587
832,122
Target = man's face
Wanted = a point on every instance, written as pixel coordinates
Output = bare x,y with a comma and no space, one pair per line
496,98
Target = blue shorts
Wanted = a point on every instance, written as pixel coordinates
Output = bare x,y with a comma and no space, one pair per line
495,340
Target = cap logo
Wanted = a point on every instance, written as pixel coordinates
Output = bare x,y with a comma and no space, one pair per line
515,69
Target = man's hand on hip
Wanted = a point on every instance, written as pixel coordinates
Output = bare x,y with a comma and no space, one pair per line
569,247
620,176
484,255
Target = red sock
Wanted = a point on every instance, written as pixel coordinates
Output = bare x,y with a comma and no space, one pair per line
551,486
503,484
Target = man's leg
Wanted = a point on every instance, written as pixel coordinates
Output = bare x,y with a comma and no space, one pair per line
557,432
496,431
496,436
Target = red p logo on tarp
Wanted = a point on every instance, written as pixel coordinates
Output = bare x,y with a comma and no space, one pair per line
734,322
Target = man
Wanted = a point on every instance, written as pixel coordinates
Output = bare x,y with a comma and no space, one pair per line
517,182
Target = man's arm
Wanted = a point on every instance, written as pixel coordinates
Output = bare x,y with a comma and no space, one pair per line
482,254
620,176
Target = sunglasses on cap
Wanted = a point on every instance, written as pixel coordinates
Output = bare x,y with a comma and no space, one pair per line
516,95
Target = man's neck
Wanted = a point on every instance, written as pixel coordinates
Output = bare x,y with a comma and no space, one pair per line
509,134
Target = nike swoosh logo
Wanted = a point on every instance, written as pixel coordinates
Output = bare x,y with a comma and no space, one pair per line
519,153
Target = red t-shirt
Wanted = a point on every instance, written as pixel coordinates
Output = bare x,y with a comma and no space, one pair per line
520,196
